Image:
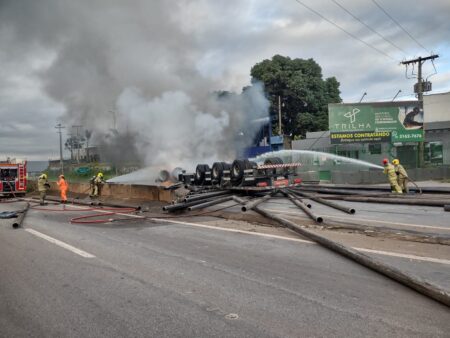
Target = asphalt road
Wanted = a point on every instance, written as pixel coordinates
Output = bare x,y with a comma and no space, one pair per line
416,218
174,280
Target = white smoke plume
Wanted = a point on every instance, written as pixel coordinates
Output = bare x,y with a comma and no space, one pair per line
140,62
173,129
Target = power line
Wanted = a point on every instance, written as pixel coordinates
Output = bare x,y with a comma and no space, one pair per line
399,25
370,28
344,30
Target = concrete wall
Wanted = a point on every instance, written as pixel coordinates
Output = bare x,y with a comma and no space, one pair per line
123,191
436,107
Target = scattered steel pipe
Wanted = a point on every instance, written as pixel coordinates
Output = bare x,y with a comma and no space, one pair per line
19,220
422,286
432,190
321,190
185,205
325,202
210,203
392,200
239,200
305,209
256,201
206,195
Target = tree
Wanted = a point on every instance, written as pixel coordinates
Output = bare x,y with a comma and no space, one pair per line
74,143
303,92
87,134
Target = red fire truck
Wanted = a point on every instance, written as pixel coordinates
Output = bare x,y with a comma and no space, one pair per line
13,178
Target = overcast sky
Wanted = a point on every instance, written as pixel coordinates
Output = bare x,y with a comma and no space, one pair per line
70,61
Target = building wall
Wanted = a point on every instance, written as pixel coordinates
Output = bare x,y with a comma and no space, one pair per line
437,136
436,107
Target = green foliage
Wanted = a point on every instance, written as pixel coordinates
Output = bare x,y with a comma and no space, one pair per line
75,177
304,93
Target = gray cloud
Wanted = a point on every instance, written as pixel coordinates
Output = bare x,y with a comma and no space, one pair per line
74,61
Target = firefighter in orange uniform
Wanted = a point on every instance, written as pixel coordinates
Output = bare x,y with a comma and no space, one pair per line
63,187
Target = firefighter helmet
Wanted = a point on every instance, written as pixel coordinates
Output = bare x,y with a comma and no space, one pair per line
395,162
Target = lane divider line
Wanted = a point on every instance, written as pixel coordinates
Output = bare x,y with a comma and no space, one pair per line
199,225
60,243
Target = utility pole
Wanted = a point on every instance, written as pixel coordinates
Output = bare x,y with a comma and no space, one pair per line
419,89
61,161
279,115
78,127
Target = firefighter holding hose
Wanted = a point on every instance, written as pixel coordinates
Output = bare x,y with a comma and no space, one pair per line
43,186
389,170
63,187
402,175
97,185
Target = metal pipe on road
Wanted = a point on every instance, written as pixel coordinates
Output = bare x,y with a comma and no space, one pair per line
185,205
305,209
19,220
206,195
210,203
239,200
393,200
422,286
256,201
325,202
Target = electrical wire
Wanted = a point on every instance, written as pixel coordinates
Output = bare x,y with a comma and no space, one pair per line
435,71
344,30
368,27
399,25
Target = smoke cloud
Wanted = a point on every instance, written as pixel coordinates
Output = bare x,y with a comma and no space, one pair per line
134,73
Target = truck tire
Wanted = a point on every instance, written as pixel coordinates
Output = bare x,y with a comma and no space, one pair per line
237,171
200,173
217,171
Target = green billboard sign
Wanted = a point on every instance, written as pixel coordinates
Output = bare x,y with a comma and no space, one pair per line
403,120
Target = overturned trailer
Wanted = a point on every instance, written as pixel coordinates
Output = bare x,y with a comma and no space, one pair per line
243,174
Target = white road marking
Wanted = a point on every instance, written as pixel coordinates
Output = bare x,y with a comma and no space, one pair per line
361,219
60,243
107,211
379,252
394,254
199,225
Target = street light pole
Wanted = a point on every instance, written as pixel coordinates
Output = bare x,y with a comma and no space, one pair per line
61,161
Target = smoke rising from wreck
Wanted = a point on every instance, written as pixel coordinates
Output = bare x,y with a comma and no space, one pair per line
173,129
143,60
